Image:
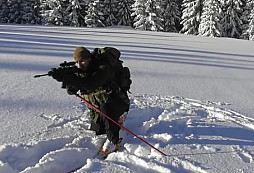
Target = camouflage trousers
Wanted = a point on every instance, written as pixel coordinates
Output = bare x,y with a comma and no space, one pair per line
113,107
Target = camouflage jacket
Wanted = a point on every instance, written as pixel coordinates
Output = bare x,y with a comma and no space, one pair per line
95,84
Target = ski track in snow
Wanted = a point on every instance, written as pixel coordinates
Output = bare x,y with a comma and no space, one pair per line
168,123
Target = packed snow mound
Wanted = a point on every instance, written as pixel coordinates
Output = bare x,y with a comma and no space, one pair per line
185,129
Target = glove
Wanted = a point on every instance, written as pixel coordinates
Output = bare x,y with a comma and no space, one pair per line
71,90
55,75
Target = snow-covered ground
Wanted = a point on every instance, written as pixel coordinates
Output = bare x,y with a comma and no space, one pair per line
192,98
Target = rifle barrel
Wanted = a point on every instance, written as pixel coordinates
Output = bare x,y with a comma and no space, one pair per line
40,75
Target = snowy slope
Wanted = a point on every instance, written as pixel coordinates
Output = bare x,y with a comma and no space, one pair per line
192,98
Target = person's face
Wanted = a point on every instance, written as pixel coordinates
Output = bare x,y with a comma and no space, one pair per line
84,63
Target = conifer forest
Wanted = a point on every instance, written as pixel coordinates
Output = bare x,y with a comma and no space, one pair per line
212,18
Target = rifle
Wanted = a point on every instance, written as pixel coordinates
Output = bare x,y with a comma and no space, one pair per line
40,75
64,69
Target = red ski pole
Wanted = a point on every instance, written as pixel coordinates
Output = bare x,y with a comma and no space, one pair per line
121,126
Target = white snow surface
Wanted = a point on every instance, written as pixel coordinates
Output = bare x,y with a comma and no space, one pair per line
192,98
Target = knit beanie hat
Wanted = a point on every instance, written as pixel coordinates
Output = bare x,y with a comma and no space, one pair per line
81,53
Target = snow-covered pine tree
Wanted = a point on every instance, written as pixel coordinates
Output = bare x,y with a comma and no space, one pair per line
53,13
4,11
191,16
36,12
210,19
139,14
246,18
231,21
94,15
110,12
124,12
83,11
19,11
154,13
178,24
1,10
15,11
26,11
147,15
73,11
30,12
171,15
42,10
250,30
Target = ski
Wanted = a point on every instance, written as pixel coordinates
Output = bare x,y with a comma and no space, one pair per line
104,154
74,170
97,153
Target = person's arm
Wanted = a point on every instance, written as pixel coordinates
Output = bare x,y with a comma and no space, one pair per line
94,81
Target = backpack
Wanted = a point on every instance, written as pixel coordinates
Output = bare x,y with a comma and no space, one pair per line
112,56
